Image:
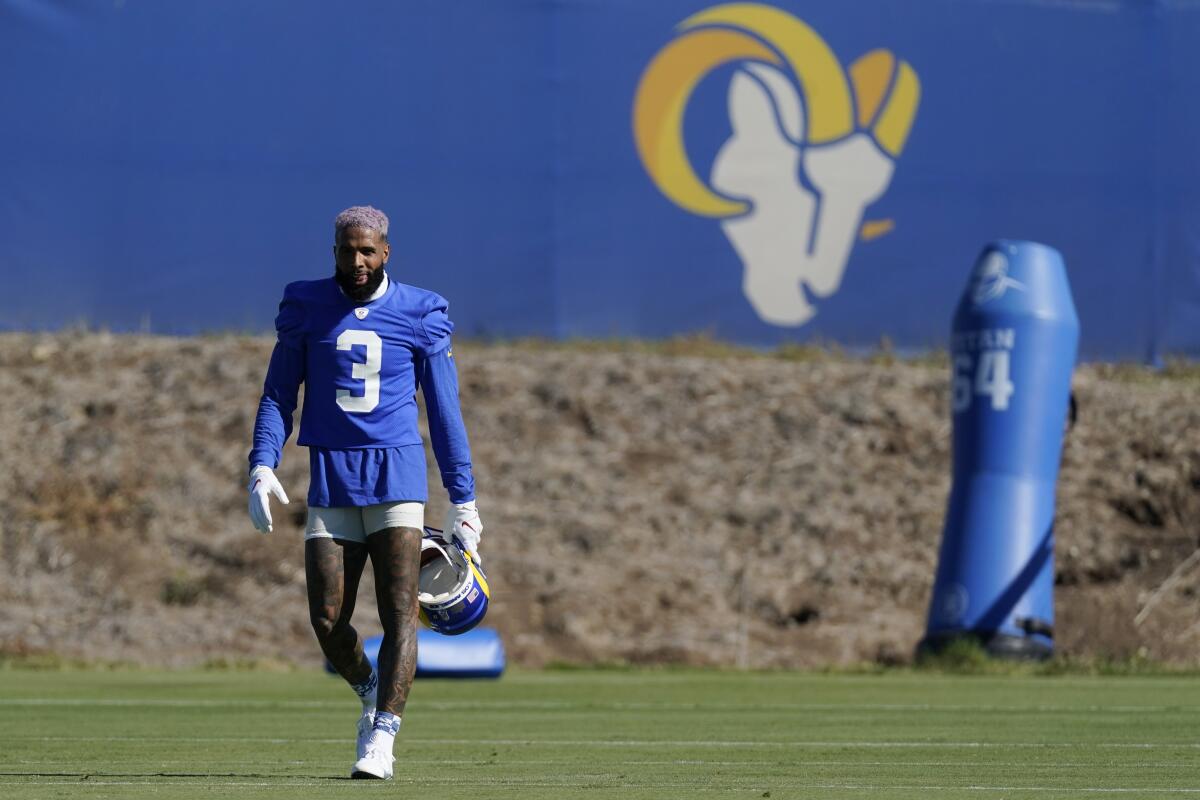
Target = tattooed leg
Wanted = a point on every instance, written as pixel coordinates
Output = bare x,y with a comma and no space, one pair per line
333,568
396,559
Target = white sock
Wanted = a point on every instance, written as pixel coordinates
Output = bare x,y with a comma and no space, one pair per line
366,692
384,734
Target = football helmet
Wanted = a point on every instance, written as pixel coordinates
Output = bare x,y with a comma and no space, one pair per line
451,587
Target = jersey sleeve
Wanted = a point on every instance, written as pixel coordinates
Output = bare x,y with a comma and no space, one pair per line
285,373
433,331
439,383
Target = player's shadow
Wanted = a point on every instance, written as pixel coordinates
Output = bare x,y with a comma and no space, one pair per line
83,777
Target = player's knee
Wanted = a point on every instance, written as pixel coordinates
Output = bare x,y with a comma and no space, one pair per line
327,626
399,621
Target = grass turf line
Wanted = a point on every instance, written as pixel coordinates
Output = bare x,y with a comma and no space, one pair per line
607,734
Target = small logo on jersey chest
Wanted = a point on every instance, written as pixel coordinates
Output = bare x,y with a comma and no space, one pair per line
361,313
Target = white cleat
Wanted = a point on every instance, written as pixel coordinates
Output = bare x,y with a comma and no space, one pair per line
365,723
376,763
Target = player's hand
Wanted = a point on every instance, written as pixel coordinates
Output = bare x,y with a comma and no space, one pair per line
263,484
463,523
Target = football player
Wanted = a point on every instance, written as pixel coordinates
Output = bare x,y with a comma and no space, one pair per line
361,344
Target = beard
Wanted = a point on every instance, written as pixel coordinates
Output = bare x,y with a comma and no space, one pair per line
355,292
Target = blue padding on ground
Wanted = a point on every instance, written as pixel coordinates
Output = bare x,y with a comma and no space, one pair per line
474,654
478,653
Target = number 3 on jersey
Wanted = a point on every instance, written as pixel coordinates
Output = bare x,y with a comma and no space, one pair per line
367,372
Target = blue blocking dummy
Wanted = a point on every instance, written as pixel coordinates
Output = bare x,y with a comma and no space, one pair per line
478,653
1013,348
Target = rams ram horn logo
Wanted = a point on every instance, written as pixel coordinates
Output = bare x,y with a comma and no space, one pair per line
794,111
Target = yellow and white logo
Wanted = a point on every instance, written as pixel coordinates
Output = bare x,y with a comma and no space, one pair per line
794,111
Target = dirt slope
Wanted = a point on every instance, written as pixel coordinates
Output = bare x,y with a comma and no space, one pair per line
640,505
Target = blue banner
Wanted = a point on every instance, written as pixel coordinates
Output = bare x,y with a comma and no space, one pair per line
793,171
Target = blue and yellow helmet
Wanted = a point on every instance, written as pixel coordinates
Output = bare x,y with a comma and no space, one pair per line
451,587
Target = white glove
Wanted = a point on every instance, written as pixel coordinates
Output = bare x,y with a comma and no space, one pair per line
464,524
263,484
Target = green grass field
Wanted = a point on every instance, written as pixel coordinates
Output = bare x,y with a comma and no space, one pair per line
604,734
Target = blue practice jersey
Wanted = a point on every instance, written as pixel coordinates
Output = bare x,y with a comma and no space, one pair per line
361,365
